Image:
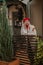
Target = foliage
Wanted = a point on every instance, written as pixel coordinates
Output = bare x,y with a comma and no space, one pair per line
6,46
39,55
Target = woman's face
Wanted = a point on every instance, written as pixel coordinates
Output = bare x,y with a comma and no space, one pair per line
26,24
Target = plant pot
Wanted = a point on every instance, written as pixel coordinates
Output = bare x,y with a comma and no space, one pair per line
3,63
14,62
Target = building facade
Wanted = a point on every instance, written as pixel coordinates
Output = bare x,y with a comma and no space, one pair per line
33,9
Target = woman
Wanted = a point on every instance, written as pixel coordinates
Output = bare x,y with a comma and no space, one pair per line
27,28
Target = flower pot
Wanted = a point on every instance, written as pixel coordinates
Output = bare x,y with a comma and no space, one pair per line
3,63
14,62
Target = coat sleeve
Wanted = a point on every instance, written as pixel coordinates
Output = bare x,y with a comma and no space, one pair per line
34,31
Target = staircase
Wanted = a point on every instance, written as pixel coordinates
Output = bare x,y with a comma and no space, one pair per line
26,47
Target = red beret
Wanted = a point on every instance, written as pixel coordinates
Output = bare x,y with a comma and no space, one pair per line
26,19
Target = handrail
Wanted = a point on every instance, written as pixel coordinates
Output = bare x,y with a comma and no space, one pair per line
28,42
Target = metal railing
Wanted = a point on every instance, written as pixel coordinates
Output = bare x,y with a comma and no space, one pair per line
25,45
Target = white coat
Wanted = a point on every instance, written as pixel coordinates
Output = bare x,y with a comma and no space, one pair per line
31,31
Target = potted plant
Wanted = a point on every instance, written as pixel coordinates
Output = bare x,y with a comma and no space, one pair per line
39,53
6,46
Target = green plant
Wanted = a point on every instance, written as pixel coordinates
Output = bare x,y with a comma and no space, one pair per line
39,55
6,46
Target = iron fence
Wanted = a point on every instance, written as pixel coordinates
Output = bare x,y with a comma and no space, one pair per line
25,48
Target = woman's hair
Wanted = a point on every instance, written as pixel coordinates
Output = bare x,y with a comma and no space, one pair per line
26,19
